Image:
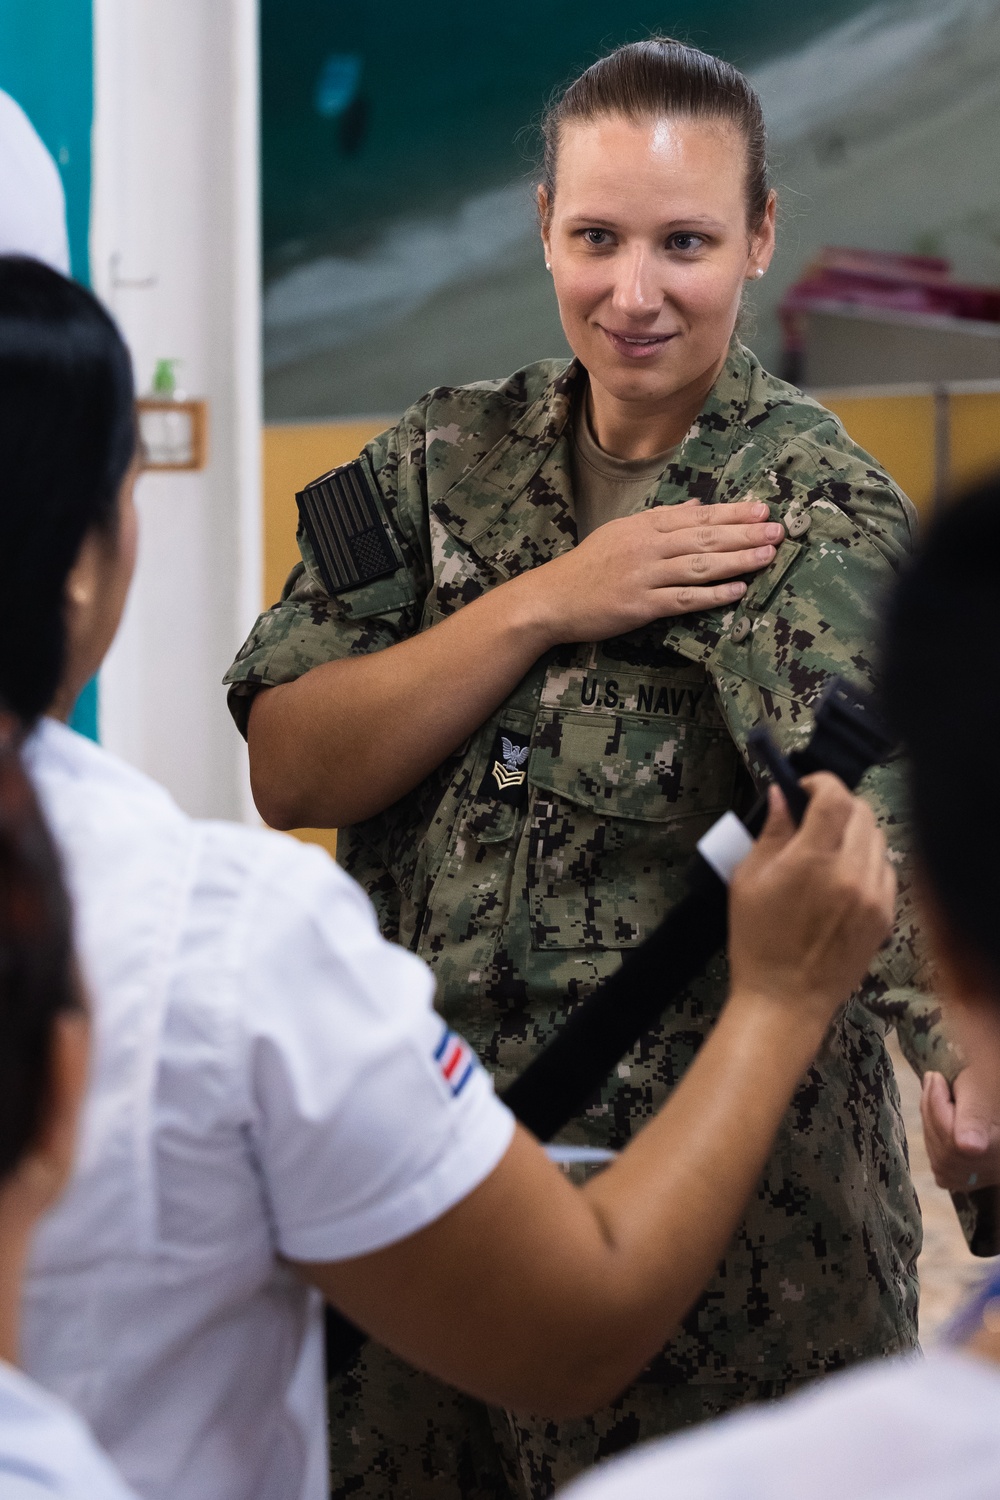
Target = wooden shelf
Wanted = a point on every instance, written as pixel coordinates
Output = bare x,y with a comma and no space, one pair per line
173,435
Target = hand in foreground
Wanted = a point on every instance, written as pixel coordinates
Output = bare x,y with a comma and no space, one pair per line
962,1133
666,560
809,908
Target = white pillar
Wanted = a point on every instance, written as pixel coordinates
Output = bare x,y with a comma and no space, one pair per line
175,255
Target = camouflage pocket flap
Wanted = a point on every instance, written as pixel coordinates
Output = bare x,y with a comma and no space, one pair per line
490,822
381,596
635,768
762,587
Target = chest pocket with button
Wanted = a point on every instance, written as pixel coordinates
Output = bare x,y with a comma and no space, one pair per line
628,769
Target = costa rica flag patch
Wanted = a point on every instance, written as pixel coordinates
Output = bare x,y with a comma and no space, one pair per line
455,1062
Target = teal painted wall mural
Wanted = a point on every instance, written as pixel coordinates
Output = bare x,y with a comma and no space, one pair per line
400,249
46,64
397,150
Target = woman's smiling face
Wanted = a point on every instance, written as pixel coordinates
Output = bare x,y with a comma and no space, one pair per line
649,248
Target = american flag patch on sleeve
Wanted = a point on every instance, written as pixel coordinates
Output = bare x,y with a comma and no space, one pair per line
343,518
455,1062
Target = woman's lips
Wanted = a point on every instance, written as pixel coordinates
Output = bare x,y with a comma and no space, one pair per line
637,345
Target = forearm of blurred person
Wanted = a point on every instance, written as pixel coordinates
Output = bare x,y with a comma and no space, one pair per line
350,737
536,1295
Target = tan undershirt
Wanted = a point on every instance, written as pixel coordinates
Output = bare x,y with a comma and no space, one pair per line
605,487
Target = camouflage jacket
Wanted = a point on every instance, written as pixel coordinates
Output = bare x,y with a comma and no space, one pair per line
521,891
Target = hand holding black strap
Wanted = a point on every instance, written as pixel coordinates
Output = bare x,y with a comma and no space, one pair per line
562,1079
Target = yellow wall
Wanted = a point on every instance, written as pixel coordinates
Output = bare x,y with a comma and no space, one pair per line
975,437
903,429
292,456
896,430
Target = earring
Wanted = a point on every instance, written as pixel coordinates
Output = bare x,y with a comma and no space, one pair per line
759,272
548,265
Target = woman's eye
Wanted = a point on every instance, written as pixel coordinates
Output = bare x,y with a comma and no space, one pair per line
685,241
596,236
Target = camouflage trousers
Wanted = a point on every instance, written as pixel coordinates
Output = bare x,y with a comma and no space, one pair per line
396,1434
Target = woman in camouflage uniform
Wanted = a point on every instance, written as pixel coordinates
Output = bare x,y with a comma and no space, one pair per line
511,669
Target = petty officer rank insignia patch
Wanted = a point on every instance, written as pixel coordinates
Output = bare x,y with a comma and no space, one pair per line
455,1062
506,777
341,513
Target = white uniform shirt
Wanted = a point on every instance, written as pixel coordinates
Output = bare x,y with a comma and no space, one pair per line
32,201
46,1453
899,1429
270,1079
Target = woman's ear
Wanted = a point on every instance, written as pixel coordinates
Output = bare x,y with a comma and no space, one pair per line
82,607
83,578
545,218
763,238
94,596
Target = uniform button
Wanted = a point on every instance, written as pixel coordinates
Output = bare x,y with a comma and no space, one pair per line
740,630
799,524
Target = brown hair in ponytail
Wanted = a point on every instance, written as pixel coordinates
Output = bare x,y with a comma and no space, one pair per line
659,78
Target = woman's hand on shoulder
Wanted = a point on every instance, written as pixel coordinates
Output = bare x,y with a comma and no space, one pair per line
665,561
809,907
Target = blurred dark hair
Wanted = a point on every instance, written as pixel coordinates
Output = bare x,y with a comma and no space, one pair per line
67,435
941,683
660,77
36,975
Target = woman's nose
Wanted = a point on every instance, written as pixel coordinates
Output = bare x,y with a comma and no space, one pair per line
636,289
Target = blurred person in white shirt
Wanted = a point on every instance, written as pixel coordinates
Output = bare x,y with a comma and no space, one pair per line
926,1429
45,1449
32,199
277,1114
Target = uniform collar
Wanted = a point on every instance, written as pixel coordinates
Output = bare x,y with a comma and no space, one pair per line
479,498
719,427
531,465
